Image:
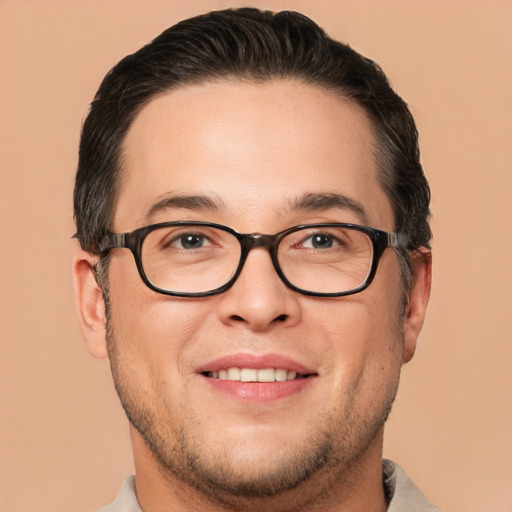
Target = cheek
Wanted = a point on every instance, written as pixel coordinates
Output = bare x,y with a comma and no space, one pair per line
159,330
151,327
362,334
366,356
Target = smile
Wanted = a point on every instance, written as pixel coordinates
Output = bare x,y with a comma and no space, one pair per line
257,379
255,375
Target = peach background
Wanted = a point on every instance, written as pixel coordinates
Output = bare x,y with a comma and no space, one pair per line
64,442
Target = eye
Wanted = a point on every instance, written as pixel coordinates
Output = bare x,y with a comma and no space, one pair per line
320,241
189,241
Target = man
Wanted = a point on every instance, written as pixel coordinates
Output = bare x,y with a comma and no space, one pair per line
255,263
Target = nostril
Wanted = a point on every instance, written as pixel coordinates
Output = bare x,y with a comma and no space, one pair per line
280,318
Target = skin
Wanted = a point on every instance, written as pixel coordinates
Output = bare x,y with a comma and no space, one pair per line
253,149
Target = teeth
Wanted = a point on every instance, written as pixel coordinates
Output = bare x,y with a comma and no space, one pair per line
253,375
267,375
281,375
234,373
248,375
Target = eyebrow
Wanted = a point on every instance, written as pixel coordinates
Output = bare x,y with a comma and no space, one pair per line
308,202
187,202
326,201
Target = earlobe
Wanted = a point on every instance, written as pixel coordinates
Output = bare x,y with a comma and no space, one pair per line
89,304
414,313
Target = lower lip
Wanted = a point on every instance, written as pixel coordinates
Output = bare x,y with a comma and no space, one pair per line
259,392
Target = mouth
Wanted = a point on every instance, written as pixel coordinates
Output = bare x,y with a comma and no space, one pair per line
257,378
236,374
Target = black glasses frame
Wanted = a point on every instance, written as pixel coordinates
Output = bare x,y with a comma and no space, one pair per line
133,241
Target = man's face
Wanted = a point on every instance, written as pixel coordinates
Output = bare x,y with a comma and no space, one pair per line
253,150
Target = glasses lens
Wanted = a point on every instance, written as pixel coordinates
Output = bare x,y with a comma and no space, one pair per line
326,259
190,258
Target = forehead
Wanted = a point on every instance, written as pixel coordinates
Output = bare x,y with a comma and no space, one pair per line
254,148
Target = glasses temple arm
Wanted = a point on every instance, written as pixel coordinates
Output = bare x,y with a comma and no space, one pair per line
111,241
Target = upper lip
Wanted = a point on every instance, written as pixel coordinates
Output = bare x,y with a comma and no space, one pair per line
259,362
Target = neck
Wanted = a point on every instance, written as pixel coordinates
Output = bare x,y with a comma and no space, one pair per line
354,488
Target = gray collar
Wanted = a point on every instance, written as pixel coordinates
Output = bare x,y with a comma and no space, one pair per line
402,494
401,491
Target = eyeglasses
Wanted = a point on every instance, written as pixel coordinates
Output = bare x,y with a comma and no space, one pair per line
200,259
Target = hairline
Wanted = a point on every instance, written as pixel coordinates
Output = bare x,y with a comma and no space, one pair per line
121,171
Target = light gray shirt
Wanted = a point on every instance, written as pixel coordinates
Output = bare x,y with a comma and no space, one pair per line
404,496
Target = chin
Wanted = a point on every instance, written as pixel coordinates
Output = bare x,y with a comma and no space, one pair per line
246,469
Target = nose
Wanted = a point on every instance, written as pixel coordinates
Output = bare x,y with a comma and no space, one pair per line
259,300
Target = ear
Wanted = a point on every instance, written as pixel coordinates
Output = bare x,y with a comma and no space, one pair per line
89,304
414,312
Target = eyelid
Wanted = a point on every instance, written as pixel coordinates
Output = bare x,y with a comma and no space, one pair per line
333,232
211,236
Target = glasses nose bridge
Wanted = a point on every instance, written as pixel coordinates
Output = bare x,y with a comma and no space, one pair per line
253,240
250,241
